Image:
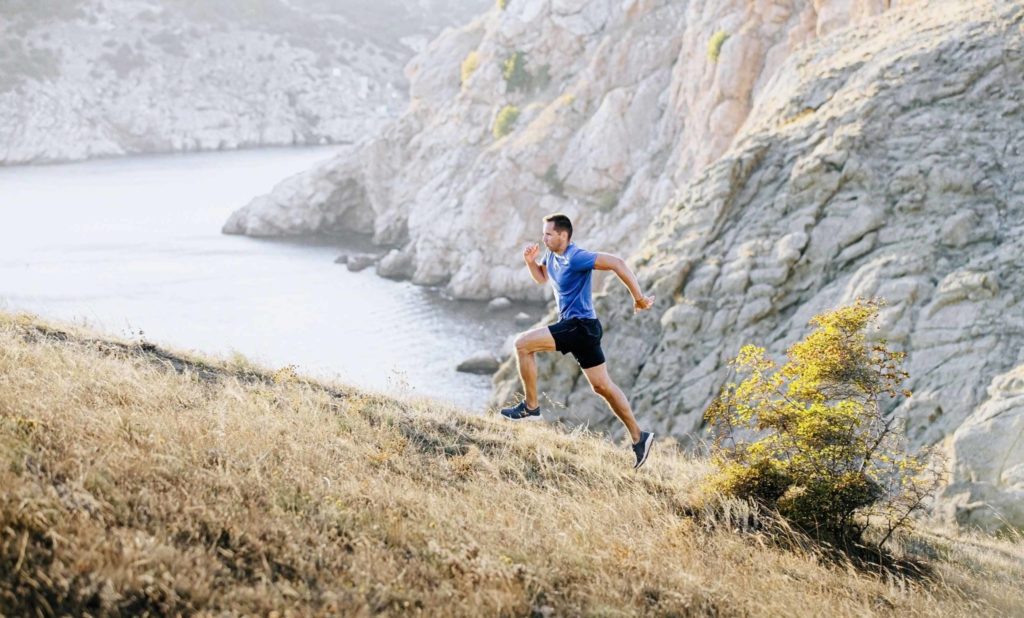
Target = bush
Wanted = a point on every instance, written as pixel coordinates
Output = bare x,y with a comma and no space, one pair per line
715,44
514,70
502,4
810,439
554,182
469,66
505,120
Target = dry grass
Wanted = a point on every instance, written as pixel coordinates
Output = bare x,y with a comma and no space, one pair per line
137,480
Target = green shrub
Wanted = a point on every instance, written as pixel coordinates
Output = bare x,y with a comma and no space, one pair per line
469,66
810,439
555,184
503,4
514,71
715,44
505,120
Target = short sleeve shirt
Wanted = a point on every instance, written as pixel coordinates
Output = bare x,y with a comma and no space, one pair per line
569,275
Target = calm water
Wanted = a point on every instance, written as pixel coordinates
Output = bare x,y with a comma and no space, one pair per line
129,245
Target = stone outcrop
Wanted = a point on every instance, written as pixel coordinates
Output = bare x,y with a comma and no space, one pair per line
618,104
987,488
883,161
101,78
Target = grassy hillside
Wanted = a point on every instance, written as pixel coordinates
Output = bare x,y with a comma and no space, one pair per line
140,480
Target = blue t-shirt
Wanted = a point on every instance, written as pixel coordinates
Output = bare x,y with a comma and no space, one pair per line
569,274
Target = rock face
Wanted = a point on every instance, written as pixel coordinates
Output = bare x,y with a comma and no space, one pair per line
885,160
615,105
988,459
95,77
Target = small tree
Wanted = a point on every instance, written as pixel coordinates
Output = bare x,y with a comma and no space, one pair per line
514,71
810,439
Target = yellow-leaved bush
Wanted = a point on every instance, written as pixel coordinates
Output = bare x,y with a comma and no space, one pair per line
810,439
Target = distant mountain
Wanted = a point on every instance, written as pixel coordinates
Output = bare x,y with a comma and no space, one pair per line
84,78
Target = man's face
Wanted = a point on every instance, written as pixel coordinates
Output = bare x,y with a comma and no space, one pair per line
555,240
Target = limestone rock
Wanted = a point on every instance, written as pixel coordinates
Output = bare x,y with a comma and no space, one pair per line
395,265
618,104
987,458
481,363
523,319
870,165
499,304
361,261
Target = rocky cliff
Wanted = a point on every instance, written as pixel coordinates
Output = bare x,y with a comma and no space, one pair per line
86,78
761,162
884,160
597,108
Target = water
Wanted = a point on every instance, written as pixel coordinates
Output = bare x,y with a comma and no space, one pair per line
130,245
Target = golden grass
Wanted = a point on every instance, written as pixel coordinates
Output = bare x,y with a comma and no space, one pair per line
137,480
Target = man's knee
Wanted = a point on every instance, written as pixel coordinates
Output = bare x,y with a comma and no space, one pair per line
603,388
522,343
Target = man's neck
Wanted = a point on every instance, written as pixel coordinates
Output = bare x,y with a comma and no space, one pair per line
564,249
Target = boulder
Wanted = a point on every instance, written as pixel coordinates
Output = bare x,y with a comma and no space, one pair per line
361,261
480,363
986,489
499,304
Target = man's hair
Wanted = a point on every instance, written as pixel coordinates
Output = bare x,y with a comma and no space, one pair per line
562,223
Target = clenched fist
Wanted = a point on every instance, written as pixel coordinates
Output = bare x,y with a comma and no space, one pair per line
531,252
643,303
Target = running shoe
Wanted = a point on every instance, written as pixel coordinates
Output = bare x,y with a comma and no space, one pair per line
643,448
520,412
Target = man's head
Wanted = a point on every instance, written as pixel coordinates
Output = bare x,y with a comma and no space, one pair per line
557,232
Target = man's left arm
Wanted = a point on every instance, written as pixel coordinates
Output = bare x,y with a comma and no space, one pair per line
606,261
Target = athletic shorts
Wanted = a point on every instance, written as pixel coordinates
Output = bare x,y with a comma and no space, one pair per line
581,337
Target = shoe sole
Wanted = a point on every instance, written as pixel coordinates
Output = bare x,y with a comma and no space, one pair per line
525,418
648,444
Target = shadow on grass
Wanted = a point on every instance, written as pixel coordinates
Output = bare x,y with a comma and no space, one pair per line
849,550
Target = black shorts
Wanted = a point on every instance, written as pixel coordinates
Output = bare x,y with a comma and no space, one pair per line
582,337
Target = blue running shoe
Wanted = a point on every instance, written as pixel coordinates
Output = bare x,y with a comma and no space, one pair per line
643,448
520,412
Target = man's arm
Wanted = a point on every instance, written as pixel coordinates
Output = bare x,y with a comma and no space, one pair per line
538,272
606,261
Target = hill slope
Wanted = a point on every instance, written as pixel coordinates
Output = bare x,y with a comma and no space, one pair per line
137,479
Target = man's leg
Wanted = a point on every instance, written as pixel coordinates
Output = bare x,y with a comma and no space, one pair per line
528,343
602,384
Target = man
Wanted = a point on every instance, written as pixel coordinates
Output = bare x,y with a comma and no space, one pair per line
578,331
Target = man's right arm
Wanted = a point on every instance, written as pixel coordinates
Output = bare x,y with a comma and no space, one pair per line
538,272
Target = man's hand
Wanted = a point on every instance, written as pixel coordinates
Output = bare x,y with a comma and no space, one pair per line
643,303
531,252
538,272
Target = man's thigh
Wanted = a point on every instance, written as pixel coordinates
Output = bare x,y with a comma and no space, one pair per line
598,376
536,340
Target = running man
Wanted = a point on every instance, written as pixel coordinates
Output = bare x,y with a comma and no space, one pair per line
568,268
